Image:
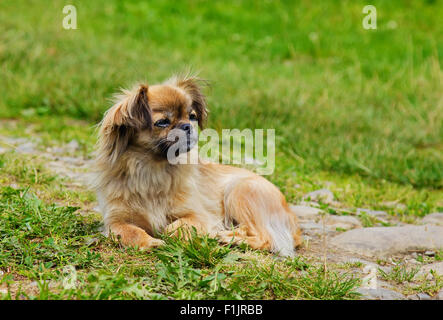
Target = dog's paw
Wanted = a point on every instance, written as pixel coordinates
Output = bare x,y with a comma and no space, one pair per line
151,243
228,236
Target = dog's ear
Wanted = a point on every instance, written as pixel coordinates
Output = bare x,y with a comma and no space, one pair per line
193,86
130,113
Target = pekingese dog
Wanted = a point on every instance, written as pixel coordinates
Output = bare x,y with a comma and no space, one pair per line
141,193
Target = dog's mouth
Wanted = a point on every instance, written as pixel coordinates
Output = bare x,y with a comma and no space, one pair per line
167,148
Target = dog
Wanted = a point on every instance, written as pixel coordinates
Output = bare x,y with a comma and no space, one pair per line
141,194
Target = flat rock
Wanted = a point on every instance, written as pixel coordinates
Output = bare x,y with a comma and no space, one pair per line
419,296
311,226
429,253
27,147
423,296
55,150
386,241
15,141
73,161
73,145
379,294
314,229
439,296
305,212
323,195
434,218
344,222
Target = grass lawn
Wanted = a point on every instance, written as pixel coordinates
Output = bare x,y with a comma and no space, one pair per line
357,111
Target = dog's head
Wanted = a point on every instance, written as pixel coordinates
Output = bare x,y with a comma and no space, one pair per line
146,118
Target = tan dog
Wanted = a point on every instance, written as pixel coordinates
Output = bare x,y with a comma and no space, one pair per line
141,193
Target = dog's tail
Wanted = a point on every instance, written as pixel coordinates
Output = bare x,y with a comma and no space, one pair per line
261,210
282,234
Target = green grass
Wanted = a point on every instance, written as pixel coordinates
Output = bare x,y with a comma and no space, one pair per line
405,277
70,259
399,274
25,170
35,236
342,99
356,111
201,251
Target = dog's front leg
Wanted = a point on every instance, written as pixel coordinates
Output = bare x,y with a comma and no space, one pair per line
131,236
183,226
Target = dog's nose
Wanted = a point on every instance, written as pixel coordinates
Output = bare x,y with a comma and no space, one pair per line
186,127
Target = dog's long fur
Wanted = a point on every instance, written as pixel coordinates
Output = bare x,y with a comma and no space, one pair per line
140,193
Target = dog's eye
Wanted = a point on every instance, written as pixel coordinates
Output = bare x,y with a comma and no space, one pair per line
193,117
162,123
